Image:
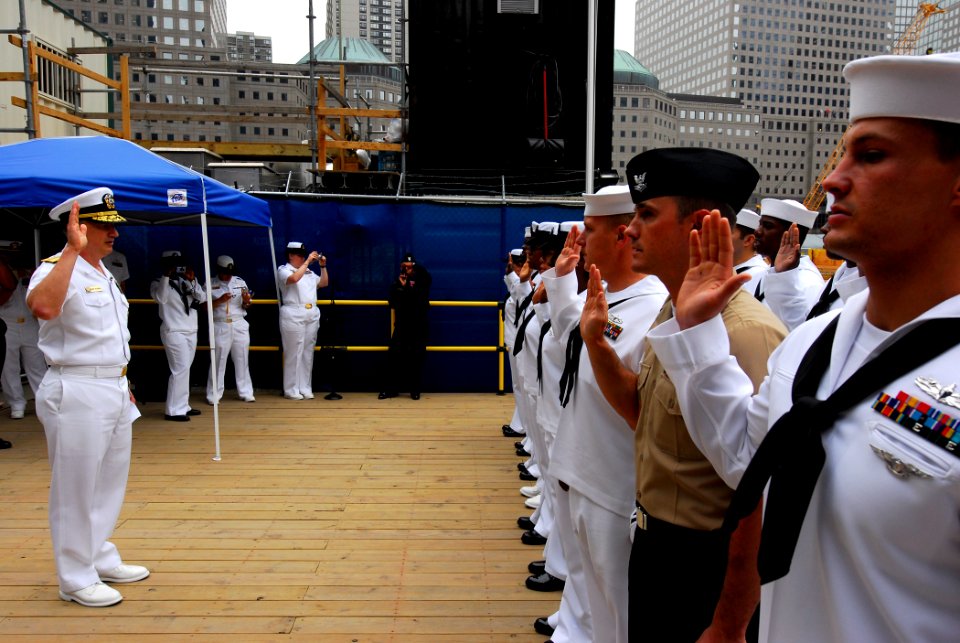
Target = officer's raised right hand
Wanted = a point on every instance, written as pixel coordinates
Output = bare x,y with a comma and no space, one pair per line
76,231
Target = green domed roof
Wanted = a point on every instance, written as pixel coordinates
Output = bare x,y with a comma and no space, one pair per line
355,50
627,70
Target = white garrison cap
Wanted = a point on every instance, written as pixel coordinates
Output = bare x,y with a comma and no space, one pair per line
905,87
548,227
225,261
170,253
567,226
96,204
613,199
788,210
748,219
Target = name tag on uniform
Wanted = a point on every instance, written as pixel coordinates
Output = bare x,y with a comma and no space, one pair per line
94,289
613,327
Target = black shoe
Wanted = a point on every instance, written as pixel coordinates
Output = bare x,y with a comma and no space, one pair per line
176,418
414,396
544,583
523,522
518,444
508,432
542,626
530,537
193,412
5,444
527,477
522,468
523,453
384,395
537,567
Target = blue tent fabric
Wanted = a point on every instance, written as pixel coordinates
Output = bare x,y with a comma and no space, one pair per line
38,174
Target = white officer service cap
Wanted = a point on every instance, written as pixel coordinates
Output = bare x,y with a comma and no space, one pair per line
96,205
788,210
225,261
613,199
748,219
925,87
567,226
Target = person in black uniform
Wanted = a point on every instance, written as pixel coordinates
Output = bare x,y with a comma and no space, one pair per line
410,300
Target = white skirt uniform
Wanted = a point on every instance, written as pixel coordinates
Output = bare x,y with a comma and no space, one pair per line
21,339
299,323
87,415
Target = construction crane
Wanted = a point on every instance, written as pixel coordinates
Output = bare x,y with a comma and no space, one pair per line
904,46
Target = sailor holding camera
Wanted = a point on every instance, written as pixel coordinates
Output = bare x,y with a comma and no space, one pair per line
178,295
300,317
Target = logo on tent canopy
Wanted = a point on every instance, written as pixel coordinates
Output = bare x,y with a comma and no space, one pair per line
177,198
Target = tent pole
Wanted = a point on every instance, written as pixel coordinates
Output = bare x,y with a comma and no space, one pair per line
273,258
213,355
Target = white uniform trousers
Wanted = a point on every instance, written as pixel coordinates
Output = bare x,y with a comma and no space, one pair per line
574,622
516,423
180,347
604,539
232,340
21,342
299,339
87,422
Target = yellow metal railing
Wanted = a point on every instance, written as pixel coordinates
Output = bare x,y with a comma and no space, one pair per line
499,348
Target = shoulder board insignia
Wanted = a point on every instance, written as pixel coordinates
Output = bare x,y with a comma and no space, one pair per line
52,259
94,289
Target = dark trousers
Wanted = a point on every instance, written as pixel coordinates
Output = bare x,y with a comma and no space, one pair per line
676,576
405,359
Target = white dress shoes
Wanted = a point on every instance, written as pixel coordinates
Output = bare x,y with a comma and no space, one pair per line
308,395
532,503
530,491
16,414
294,396
96,595
125,574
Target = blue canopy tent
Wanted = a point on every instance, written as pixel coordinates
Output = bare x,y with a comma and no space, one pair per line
38,174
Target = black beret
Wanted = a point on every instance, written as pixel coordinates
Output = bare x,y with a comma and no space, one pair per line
691,172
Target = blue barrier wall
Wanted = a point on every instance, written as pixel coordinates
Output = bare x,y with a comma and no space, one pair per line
463,245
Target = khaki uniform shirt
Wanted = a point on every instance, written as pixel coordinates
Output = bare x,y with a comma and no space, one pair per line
675,482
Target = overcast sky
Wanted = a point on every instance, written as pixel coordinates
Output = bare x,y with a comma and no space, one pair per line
285,21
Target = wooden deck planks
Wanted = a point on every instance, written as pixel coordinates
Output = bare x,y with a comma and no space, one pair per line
358,520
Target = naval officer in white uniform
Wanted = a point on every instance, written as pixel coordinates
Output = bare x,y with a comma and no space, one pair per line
21,341
231,332
178,295
84,401
300,317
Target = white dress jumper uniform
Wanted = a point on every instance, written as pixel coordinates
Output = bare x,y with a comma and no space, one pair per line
21,338
299,322
178,332
231,334
87,415
593,451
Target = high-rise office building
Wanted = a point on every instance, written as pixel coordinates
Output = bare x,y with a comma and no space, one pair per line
783,59
244,46
377,21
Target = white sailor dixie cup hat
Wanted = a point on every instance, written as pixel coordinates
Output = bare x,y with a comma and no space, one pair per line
788,210
297,247
96,205
225,261
926,87
748,219
608,201
567,226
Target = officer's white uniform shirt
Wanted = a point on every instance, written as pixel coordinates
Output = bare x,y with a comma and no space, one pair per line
21,339
792,293
877,559
175,316
300,298
594,446
755,266
232,309
82,335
